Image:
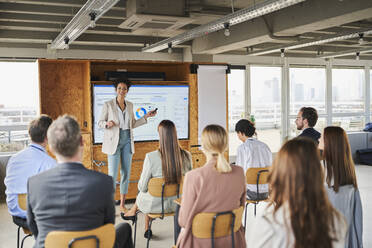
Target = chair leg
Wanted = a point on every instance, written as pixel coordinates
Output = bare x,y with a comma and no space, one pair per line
19,228
148,238
255,205
23,240
135,230
245,216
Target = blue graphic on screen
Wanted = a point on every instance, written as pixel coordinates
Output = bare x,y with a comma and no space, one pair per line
172,102
140,113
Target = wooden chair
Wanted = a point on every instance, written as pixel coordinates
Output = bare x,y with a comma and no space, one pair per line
158,188
22,203
216,225
101,237
255,176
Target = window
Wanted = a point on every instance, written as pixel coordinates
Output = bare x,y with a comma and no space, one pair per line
347,90
19,103
352,123
307,88
266,104
236,82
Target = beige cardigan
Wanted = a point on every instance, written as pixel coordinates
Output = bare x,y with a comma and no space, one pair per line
111,135
152,167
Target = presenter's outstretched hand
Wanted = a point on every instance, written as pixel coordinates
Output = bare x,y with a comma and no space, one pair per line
151,113
110,124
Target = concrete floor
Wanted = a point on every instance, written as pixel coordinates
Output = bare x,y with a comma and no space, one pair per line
163,229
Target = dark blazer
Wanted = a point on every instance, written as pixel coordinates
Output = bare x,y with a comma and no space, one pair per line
68,197
310,133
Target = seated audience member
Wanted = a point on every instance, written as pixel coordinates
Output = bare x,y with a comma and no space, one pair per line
215,187
170,162
300,214
29,162
252,153
306,120
70,197
341,182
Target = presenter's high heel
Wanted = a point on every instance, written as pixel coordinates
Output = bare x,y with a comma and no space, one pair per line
133,218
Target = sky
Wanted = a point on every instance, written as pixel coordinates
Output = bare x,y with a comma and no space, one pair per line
19,84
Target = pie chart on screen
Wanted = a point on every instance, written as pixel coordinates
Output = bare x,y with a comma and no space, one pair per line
140,112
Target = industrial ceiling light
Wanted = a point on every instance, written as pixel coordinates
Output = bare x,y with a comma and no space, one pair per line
347,53
92,23
169,48
82,20
307,43
282,53
227,29
357,56
237,17
66,41
361,40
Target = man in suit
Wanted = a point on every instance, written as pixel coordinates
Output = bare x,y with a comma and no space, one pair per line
305,121
69,197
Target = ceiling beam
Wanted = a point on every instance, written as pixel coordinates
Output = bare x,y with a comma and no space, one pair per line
52,10
298,19
35,18
63,3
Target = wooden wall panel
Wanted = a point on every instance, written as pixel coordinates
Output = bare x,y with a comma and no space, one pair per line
88,154
63,89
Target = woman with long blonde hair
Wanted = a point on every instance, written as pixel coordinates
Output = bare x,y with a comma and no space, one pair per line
300,214
342,187
170,162
215,187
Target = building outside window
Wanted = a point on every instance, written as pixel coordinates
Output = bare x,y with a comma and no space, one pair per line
348,98
19,104
266,83
307,89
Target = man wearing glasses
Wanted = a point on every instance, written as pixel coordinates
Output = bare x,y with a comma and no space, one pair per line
306,120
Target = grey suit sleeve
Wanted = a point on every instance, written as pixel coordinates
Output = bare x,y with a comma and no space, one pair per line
30,215
110,206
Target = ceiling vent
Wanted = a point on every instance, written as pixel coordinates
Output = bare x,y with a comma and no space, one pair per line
161,16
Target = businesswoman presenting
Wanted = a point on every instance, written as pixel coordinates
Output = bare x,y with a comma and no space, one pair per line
117,119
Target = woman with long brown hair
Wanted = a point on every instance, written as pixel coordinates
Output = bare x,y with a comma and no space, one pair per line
170,162
300,214
341,182
215,187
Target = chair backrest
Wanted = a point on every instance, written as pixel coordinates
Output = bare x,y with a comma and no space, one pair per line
102,237
257,175
218,224
22,201
155,188
202,224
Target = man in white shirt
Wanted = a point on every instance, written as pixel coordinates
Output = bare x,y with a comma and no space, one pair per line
252,154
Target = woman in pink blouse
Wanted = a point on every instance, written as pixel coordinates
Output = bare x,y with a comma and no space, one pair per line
215,187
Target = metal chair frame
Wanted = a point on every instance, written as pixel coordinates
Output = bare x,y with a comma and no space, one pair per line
162,208
72,241
231,226
257,200
151,219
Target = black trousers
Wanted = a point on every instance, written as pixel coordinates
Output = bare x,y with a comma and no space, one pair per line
123,236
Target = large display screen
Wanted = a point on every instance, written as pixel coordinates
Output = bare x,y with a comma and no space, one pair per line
172,102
